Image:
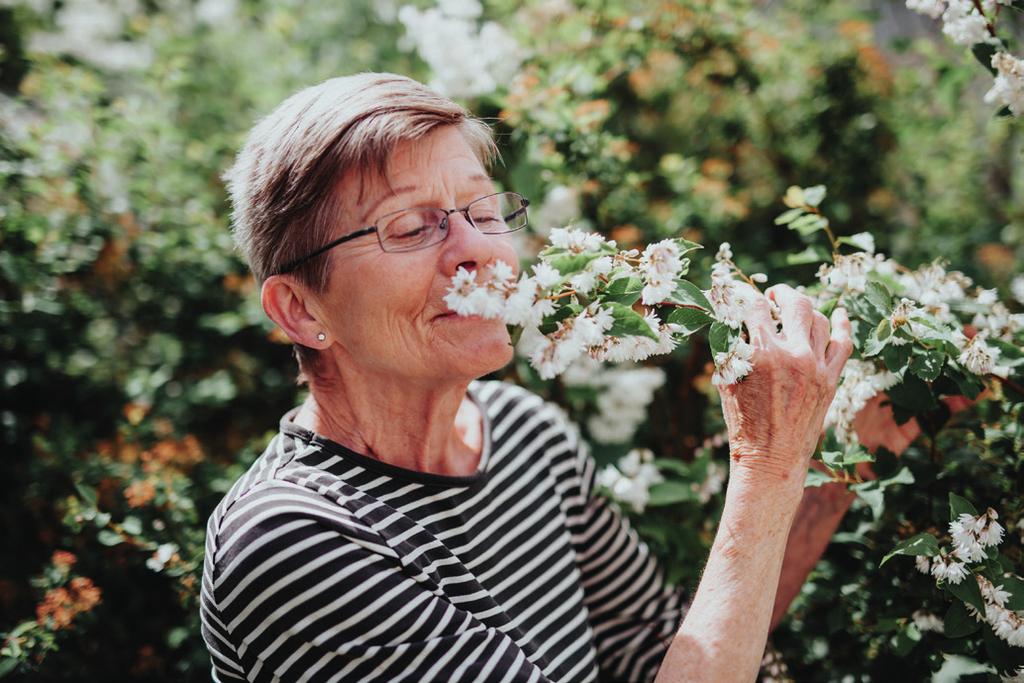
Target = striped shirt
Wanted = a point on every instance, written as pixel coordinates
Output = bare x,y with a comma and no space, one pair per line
323,564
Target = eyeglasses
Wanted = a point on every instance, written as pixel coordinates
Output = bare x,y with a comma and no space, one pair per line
419,228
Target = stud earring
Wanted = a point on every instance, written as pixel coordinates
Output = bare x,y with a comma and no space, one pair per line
321,337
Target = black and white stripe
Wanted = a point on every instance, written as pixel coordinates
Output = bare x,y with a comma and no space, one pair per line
326,565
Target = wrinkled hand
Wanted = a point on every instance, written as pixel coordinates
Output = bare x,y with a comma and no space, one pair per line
775,414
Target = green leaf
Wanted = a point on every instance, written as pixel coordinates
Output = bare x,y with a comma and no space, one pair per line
958,506
109,538
1015,586
983,53
568,264
808,224
812,254
878,339
789,216
689,294
718,337
913,394
629,323
897,356
958,622
816,478
686,246
927,363
669,493
814,195
874,499
967,591
862,240
624,290
8,665
132,525
879,296
691,319
921,544
86,493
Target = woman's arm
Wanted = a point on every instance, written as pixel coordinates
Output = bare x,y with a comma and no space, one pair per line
774,418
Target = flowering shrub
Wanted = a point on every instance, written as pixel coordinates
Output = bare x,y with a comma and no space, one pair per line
581,299
139,376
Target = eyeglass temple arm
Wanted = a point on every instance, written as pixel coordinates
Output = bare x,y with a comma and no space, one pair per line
291,265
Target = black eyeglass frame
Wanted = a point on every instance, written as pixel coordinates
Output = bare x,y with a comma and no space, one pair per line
292,265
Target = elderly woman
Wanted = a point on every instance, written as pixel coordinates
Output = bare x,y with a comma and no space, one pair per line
412,522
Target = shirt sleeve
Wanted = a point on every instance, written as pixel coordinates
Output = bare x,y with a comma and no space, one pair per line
299,595
634,613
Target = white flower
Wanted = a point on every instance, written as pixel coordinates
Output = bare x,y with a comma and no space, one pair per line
922,563
576,241
459,292
964,24
467,58
992,533
623,396
859,383
163,554
977,356
561,206
583,282
724,252
547,276
945,568
969,550
728,298
590,325
1017,288
653,294
1008,88
520,308
999,322
849,272
631,481
926,621
931,8
732,366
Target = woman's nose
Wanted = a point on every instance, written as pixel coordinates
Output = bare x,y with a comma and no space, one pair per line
466,246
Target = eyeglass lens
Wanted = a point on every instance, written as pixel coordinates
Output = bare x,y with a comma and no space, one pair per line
422,227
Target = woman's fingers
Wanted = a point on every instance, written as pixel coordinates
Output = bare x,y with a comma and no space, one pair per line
820,331
757,316
797,314
840,344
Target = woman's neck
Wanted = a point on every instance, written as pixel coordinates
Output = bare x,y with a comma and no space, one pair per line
428,428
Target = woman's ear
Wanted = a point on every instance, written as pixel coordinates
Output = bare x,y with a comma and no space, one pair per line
293,308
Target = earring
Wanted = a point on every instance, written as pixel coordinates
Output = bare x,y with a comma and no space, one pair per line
321,337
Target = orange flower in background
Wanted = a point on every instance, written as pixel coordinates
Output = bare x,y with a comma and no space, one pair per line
139,493
63,560
591,114
180,454
60,606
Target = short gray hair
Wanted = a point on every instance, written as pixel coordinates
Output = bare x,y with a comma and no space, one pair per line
283,184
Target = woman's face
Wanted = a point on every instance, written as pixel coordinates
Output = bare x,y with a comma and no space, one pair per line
385,311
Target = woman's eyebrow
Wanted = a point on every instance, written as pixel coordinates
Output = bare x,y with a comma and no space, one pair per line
406,189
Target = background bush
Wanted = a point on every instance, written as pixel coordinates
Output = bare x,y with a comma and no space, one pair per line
139,375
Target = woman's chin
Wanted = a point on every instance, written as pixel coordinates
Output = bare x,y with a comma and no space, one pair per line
479,345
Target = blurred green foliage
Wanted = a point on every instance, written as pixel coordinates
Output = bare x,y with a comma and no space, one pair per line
140,377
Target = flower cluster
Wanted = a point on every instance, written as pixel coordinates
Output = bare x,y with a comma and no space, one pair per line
630,482
970,23
974,537
579,300
858,384
467,57
623,396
